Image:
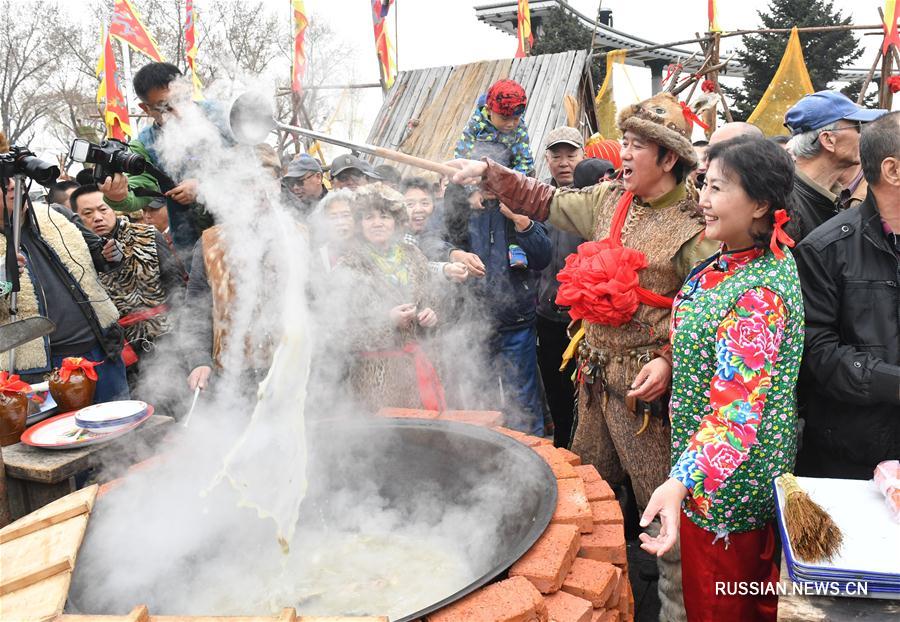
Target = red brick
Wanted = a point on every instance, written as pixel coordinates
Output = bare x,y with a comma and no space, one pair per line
564,607
588,472
599,491
549,560
513,600
570,456
591,580
606,544
408,413
537,441
483,418
613,600
557,461
606,512
572,506
511,433
605,615
626,603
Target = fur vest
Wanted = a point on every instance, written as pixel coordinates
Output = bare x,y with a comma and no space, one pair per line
68,248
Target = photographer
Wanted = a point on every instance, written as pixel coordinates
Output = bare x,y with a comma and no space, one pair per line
58,264
153,84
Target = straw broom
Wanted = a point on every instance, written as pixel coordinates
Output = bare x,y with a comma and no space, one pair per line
811,530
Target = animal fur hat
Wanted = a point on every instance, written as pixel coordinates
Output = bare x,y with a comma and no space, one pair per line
666,121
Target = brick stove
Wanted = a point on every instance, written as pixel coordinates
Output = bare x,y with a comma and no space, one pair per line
577,570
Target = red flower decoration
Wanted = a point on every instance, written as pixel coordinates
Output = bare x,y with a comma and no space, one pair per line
708,86
75,363
12,384
894,84
600,283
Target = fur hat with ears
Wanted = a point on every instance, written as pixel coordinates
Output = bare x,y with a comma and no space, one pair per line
666,121
4,144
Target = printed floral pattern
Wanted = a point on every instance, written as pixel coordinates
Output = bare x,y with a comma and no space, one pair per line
735,330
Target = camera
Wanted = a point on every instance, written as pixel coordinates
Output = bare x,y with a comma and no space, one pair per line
109,157
20,161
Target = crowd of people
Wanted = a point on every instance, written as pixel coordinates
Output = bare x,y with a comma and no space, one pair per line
693,323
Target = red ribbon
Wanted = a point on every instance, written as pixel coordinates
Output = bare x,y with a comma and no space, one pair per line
431,391
691,117
12,384
779,236
144,314
75,363
707,86
609,302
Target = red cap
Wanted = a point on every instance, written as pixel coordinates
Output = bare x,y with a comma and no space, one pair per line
506,97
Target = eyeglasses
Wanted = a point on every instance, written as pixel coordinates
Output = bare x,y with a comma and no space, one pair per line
857,125
296,182
162,107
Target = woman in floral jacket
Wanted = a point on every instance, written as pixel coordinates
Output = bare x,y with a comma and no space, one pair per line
737,340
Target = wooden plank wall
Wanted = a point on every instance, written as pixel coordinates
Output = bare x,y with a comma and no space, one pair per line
426,110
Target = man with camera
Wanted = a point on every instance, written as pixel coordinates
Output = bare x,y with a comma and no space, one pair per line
153,84
59,263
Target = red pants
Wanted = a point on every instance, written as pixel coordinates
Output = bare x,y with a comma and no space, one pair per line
729,583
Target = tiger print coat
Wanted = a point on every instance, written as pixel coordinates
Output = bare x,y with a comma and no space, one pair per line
138,284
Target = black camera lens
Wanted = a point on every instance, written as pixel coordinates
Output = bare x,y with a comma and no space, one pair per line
42,172
127,162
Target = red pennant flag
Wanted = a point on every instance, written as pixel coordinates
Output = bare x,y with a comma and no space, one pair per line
127,26
891,33
298,68
383,46
524,30
109,95
190,45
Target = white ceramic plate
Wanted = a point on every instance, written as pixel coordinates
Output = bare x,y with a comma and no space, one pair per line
110,416
61,432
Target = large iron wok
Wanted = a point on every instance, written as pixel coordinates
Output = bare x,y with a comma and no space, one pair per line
404,458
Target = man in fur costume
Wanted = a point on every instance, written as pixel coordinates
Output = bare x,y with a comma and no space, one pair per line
59,280
646,235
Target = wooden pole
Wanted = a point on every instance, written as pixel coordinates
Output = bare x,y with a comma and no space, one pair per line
885,96
868,80
5,516
737,33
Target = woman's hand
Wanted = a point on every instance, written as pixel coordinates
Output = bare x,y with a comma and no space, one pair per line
20,258
456,271
665,502
199,377
427,318
652,381
469,172
403,315
471,261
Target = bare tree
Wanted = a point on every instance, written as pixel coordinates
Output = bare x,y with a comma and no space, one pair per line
27,64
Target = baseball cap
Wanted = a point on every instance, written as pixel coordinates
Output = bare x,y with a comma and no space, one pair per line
564,135
156,203
823,108
349,161
303,165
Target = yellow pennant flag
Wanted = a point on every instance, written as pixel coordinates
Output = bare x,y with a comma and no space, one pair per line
604,103
791,82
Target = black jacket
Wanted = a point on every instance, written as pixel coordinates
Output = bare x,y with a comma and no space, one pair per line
851,388
810,208
564,244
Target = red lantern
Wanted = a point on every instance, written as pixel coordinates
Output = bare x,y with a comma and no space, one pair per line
604,149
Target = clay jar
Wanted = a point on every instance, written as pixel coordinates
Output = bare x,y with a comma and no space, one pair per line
13,413
75,394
